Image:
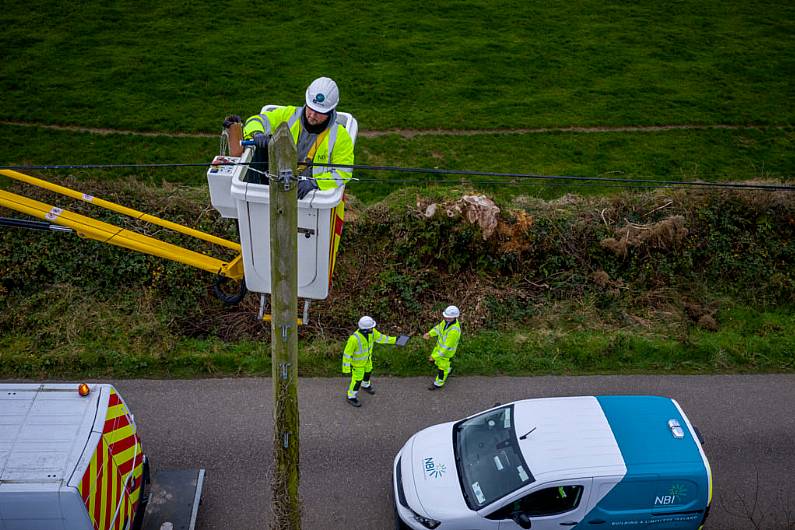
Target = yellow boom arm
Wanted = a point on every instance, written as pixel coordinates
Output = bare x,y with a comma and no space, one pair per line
114,235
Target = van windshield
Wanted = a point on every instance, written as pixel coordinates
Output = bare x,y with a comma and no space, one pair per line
487,455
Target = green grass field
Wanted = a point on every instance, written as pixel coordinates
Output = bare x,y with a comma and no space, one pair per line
476,65
181,66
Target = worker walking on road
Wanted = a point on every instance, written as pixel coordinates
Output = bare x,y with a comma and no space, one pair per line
448,334
358,357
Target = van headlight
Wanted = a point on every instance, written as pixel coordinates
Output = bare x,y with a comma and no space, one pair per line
427,522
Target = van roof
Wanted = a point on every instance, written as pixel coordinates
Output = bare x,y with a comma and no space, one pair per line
44,429
602,436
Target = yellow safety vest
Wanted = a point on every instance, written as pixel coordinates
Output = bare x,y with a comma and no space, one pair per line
446,339
334,145
359,348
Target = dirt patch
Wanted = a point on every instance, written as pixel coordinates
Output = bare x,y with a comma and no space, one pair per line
513,236
663,235
703,316
406,133
411,133
475,209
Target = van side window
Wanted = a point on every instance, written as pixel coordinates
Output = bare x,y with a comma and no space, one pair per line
548,501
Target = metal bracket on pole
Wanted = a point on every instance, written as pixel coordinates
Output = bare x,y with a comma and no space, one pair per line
305,320
308,232
286,177
284,367
284,332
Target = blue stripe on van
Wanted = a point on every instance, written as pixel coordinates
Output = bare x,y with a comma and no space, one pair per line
640,425
666,483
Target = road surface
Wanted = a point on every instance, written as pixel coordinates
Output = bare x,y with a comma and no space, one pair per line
225,426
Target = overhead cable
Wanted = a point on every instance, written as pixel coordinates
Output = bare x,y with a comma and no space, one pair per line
621,182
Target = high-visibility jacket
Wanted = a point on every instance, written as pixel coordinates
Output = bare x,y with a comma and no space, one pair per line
359,348
333,145
446,339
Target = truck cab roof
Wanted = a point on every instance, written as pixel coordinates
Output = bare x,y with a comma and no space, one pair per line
44,431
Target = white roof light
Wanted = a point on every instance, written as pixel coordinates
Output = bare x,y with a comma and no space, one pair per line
676,429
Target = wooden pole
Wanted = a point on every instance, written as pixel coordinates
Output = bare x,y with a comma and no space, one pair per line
283,159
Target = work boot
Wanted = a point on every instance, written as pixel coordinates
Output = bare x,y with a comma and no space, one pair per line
369,389
434,387
354,402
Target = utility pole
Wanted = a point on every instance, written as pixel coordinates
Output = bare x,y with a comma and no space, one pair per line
283,160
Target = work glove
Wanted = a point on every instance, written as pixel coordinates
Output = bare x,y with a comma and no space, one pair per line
229,120
261,141
305,186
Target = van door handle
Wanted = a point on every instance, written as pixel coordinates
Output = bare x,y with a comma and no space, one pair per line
597,521
570,523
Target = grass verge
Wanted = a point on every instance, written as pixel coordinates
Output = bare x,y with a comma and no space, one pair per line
749,341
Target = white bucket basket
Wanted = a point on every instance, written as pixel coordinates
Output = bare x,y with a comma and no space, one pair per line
316,221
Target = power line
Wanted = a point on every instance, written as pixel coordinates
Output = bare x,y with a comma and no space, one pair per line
536,176
527,177
119,166
507,183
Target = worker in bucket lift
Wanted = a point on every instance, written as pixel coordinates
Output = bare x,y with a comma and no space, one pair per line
318,138
357,359
448,334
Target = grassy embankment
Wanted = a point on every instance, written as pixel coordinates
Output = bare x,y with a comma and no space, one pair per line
654,282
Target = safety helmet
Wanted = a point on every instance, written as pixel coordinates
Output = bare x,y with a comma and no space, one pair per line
451,312
366,322
322,95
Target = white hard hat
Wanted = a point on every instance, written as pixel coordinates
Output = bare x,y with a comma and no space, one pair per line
451,312
366,323
322,95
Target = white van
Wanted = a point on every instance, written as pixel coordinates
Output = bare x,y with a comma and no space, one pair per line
573,462
70,459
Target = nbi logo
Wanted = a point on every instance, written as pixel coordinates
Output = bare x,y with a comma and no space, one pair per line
675,495
434,469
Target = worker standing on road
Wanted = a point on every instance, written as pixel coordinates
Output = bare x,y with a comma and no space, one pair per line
448,334
318,138
358,357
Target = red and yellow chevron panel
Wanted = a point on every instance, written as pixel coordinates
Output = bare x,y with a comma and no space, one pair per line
111,485
337,218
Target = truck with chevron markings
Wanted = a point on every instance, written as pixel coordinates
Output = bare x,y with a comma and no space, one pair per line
71,459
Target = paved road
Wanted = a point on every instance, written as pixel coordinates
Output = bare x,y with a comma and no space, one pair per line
224,425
